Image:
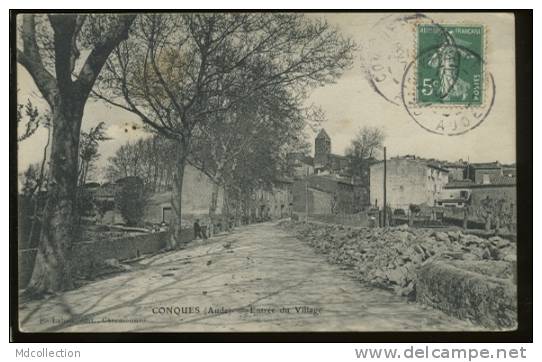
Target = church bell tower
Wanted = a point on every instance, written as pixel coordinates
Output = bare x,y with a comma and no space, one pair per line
322,149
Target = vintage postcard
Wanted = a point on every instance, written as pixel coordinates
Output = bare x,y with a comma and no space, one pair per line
266,172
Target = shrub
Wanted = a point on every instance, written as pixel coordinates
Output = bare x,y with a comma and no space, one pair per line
85,202
130,200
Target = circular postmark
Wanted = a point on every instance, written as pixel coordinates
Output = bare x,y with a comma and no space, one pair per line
387,53
436,72
446,89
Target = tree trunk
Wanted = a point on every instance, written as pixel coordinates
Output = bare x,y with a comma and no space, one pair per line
226,209
488,224
52,270
176,197
212,207
214,200
36,196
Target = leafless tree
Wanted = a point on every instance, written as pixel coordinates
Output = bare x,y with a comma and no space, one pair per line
150,159
49,48
367,143
178,72
364,148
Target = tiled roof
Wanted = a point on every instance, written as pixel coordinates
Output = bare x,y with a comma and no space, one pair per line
495,181
459,183
419,161
503,180
486,165
298,156
438,167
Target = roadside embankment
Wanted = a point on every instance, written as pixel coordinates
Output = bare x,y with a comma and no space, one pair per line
461,274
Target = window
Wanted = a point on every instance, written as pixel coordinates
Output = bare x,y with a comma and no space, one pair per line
166,214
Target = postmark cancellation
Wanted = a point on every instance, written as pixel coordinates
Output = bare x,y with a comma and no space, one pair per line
450,64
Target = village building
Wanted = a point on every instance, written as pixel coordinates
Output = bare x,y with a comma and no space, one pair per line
509,170
324,184
409,180
483,173
300,165
196,198
456,169
273,203
502,188
327,194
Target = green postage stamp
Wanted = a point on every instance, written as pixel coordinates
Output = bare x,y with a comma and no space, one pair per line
450,64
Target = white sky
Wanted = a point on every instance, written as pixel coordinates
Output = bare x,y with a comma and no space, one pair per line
351,103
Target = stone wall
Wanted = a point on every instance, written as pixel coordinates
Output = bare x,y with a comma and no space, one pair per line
89,257
470,290
496,192
319,201
357,220
323,189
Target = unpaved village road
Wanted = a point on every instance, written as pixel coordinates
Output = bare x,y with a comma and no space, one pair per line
259,266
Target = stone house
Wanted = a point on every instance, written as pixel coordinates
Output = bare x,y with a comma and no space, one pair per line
456,169
300,165
483,173
327,194
196,198
273,203
499,188
409,180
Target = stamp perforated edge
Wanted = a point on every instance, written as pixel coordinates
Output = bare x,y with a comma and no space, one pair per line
412,89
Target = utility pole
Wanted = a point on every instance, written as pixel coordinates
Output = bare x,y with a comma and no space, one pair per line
307,196
385,196
468,168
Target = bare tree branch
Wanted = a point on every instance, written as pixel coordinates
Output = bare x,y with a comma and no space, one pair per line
99,54
30,58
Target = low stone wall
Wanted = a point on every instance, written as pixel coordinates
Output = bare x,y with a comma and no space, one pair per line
470,291
88,257
356,220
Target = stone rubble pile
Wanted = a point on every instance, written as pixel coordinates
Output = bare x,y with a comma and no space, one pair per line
390,258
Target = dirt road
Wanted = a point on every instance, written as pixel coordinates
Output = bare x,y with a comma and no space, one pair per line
258,278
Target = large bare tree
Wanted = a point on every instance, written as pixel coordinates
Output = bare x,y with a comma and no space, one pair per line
176,69
50,49
364,148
